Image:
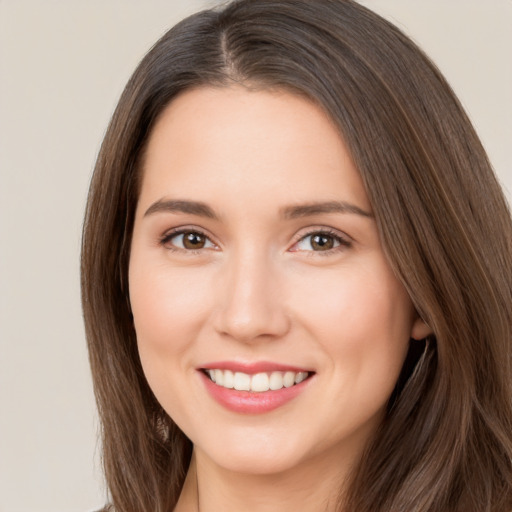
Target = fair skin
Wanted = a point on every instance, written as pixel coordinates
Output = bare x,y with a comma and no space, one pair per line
255,250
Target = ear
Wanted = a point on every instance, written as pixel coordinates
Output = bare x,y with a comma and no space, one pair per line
420,329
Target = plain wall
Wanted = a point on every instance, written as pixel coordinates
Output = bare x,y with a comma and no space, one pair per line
63,65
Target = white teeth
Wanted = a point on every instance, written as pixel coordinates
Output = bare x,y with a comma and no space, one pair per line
276,381
229,379
289,379
300,377
219,377
258,382
242,381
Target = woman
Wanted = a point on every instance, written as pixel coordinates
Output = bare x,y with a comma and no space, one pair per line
297,274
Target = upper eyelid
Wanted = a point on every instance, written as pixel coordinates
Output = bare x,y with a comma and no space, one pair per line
313,230
299,235
343,243
171,233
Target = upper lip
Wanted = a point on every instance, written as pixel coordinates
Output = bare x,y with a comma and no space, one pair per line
253,367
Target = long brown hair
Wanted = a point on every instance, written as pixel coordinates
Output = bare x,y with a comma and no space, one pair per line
446,443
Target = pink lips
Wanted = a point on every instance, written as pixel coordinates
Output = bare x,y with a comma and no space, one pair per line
250,402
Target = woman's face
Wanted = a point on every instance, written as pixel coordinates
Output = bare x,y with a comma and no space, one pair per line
256,259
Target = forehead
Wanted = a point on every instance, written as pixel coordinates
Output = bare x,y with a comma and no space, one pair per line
241,141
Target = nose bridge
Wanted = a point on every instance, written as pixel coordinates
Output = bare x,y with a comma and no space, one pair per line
251,306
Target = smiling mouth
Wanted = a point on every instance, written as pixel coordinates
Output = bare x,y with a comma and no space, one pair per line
256,383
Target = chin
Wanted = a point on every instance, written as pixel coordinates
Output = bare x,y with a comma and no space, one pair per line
252,463
254,453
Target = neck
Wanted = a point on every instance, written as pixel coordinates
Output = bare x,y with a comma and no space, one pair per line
210,488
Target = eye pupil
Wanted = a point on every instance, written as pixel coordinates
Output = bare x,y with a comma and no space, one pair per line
193,240
321,242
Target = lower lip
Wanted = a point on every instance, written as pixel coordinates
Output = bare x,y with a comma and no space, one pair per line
247,402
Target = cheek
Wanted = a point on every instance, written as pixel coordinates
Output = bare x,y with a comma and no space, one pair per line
362,315
169,306
168,311
165,303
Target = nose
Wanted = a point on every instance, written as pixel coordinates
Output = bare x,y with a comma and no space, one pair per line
251,304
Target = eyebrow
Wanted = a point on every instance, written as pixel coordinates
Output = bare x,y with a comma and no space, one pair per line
310,209
290,212
181,206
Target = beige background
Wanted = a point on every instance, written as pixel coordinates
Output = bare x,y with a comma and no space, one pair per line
63,64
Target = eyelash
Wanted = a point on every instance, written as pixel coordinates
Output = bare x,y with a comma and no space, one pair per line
343,242
166,239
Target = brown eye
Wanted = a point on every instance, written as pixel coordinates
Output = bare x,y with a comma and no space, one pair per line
187,240
322,242
193,240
